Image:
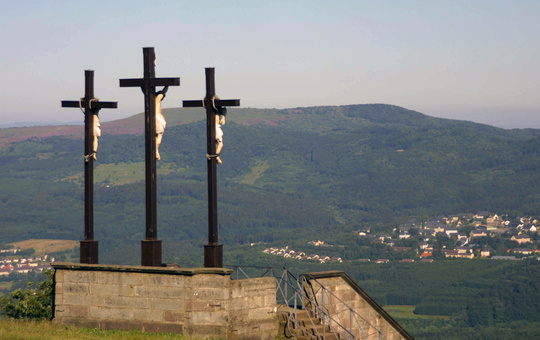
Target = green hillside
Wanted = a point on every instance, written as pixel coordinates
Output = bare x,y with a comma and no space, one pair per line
291,176
287,175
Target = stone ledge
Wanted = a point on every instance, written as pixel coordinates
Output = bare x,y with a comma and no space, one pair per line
77,322
141,269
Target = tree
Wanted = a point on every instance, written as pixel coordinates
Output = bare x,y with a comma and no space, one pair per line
32,303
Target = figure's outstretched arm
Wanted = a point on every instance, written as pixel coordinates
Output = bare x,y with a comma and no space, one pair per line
162,92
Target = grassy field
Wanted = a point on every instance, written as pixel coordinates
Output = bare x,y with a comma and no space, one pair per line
43,247
407,312
122,173
46,330
256,173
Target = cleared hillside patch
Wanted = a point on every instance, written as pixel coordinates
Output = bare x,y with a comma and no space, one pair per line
122,173
43,247
407,312
256,173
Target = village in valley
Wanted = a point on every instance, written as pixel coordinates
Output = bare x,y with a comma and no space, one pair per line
34,255
10,262
467,235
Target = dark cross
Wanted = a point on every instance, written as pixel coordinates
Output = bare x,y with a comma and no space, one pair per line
89,247
213,251
151,246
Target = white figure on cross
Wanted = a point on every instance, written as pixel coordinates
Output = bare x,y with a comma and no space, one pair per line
220,120
96,134
160,119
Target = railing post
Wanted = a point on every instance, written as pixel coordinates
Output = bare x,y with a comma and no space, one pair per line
350,320
295,311
323,318
284,279
323,306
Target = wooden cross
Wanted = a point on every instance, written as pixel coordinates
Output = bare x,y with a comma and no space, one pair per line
151,246
213,251
89,247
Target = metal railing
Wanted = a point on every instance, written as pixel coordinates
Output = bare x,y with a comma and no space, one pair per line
356,326
321,305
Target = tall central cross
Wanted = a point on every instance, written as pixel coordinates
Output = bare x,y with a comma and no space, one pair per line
151,245
89,247
213,251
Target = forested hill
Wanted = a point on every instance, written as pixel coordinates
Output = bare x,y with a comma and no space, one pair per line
321,118
292,174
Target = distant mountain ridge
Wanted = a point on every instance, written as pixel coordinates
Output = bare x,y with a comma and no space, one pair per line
29,124
305,118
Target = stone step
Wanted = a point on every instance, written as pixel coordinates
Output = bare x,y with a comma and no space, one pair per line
308,328
320,331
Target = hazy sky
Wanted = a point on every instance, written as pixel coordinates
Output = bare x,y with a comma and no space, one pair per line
472,60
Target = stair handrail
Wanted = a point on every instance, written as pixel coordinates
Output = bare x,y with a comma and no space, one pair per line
353,315
366,297
299,297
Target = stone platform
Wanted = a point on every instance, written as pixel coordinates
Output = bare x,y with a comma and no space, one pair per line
197,302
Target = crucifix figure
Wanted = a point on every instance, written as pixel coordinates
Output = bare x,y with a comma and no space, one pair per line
92,131
160,119
220,120
96,133
215,108
153,131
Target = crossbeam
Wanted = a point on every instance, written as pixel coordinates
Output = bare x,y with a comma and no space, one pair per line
93,105
218,103
139,82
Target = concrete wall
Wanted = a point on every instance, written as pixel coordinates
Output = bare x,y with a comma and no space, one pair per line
197,302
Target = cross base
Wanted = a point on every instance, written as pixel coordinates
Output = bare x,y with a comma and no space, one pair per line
213,255
89,252
151,253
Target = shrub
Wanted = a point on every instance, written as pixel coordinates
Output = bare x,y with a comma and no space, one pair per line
31,303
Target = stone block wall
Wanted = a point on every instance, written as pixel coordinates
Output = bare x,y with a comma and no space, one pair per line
369,321
197,302
252,307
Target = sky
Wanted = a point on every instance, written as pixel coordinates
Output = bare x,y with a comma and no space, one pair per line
469,60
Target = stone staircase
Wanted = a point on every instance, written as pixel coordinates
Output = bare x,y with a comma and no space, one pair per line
306,327
350,311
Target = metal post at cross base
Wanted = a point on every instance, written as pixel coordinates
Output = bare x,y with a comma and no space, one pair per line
213,251
91,105
151,246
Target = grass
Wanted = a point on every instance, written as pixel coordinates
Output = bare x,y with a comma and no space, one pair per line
407,312
256,173
45,246
46,330
119,173
123,173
